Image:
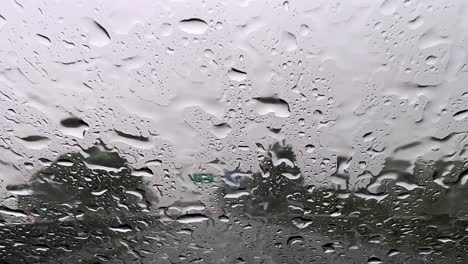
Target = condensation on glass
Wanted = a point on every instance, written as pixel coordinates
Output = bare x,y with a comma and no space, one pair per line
234,131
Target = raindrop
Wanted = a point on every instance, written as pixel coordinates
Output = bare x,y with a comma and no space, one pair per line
2,21
431,60
290,41
304,30
374,260
237,75
192,218
272,104
44,40
194,26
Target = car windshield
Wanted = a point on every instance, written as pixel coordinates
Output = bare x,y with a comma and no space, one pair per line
238,132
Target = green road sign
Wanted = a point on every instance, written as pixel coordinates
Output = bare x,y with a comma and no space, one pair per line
203,177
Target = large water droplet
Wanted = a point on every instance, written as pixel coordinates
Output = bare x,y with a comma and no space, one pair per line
193,26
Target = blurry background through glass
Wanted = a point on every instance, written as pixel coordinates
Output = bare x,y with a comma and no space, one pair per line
314,131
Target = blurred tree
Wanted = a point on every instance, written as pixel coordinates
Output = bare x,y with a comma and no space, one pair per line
88,186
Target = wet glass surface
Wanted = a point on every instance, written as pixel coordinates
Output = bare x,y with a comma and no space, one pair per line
234,131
